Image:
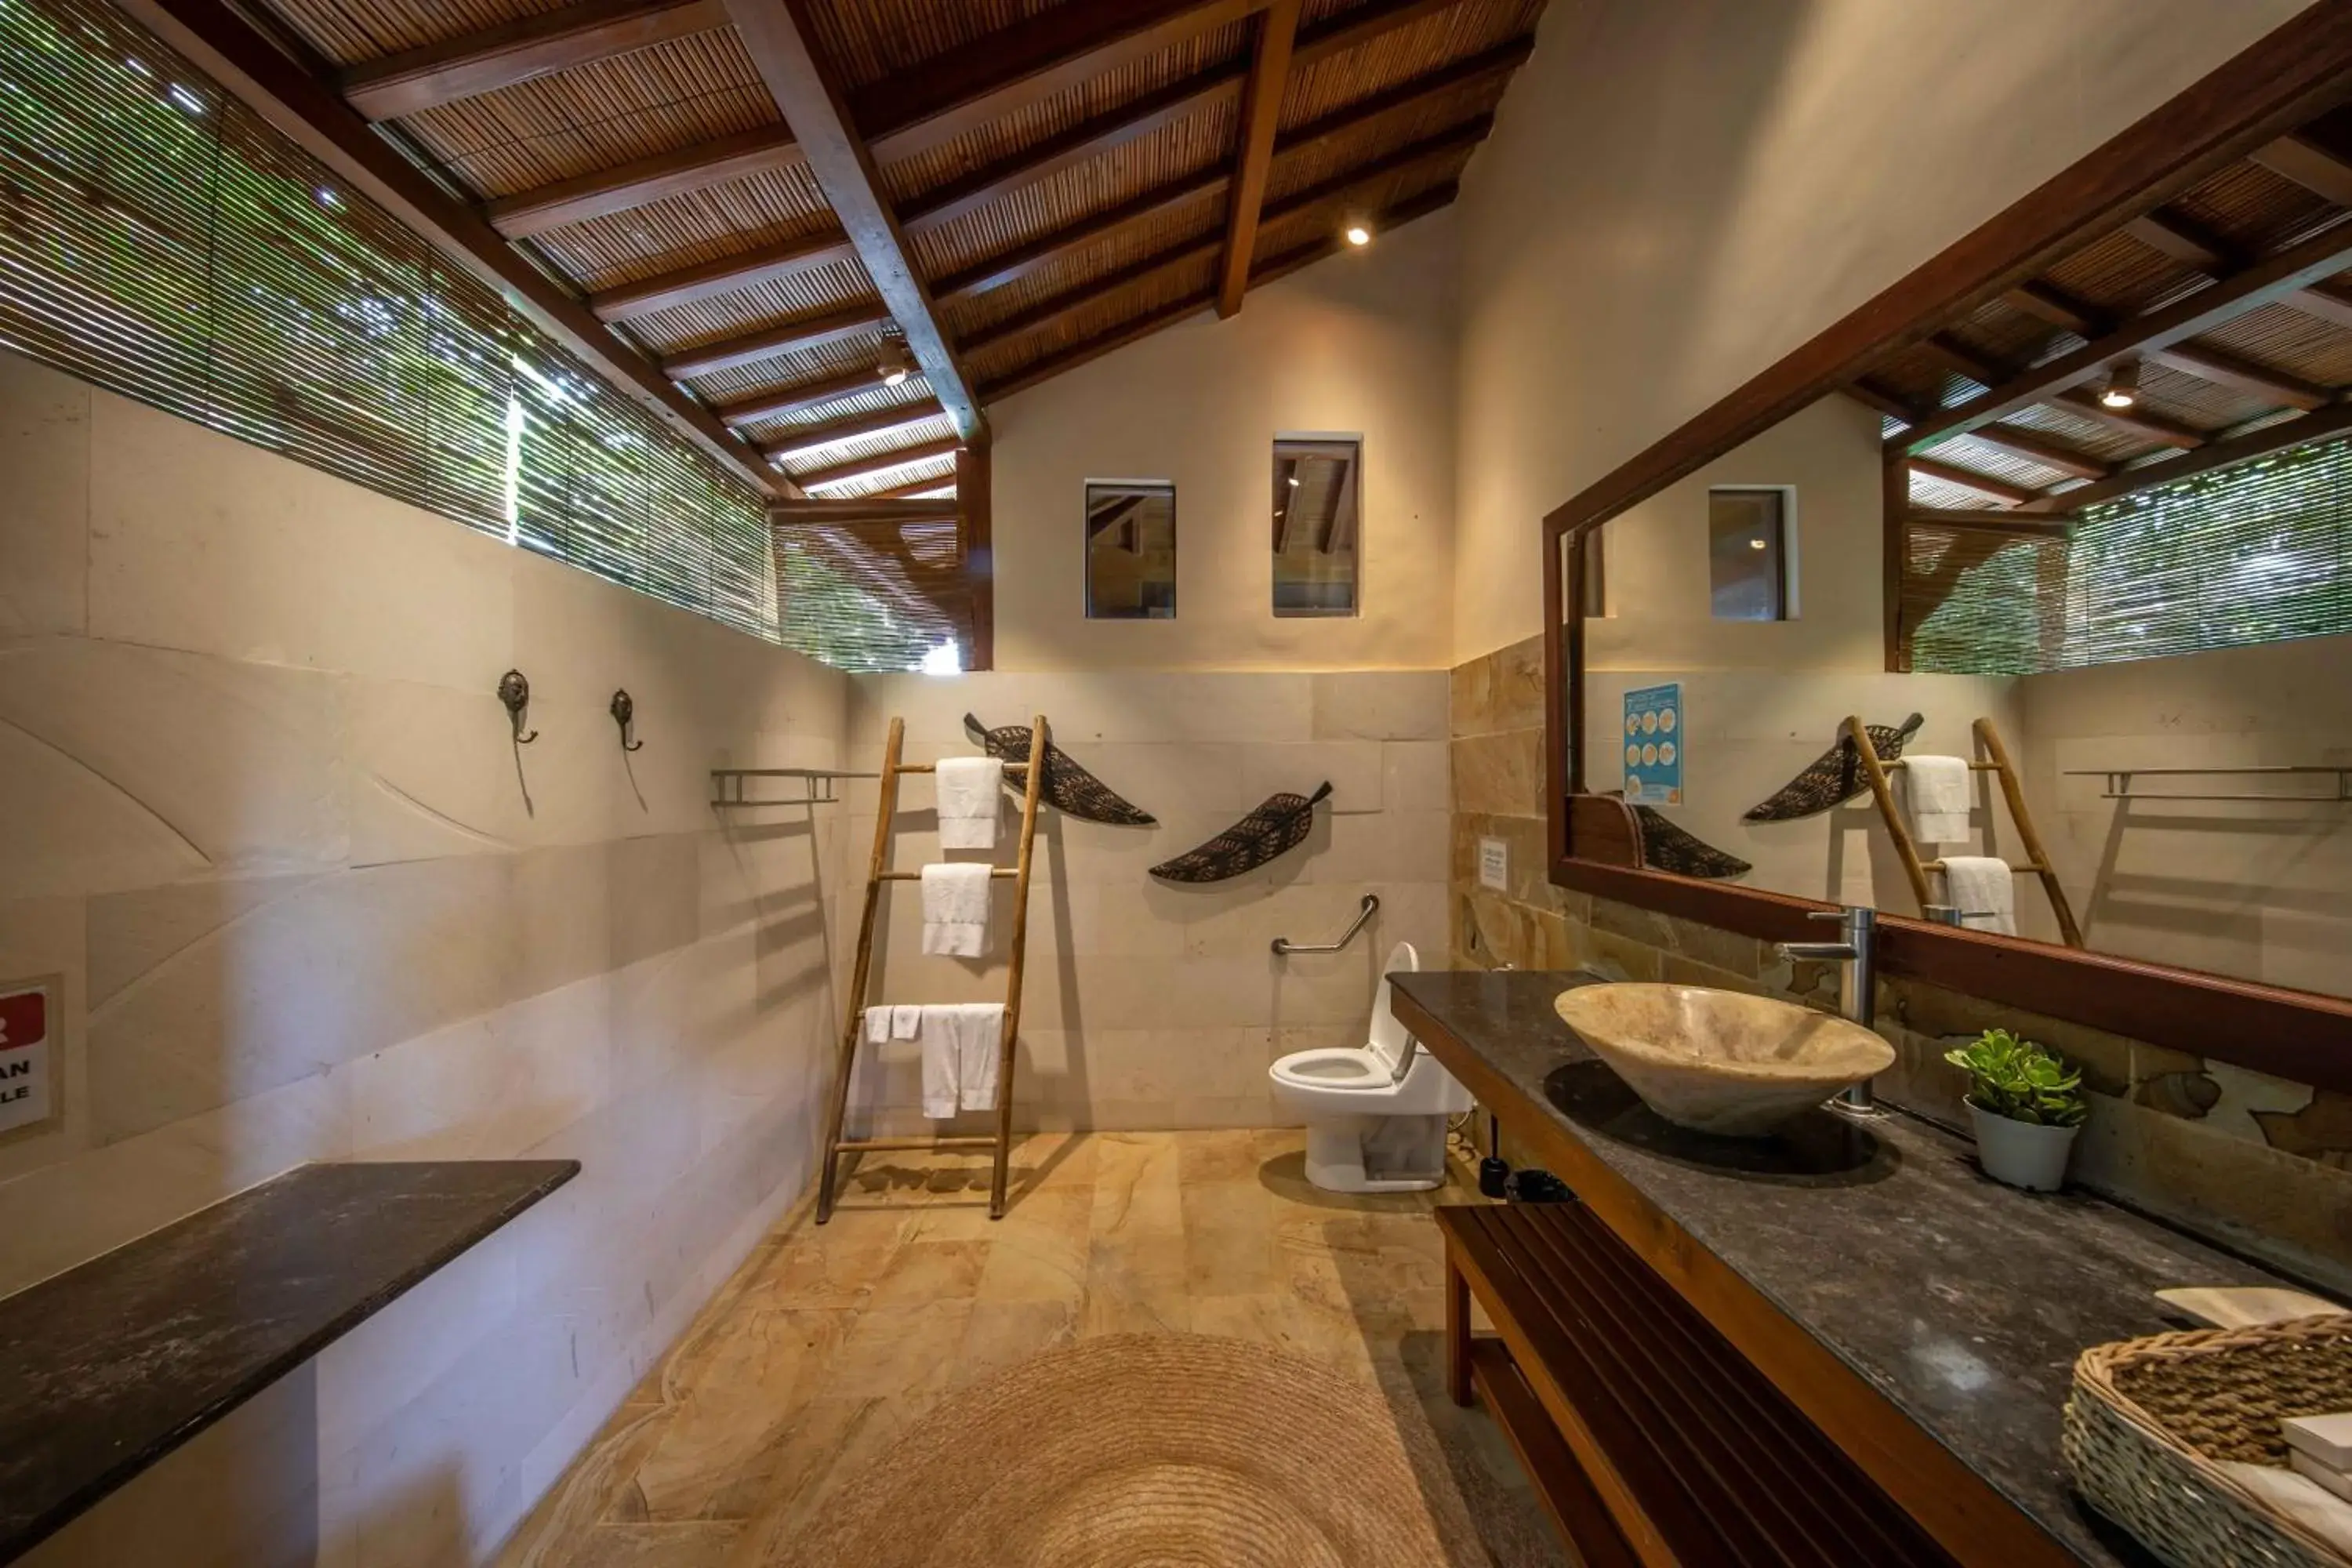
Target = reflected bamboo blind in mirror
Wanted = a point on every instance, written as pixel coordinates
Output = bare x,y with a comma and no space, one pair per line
2258,552
160,240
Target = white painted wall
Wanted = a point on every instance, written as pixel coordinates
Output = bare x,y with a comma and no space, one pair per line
258,807
1360,344
2261,891
1675,195
1150,1003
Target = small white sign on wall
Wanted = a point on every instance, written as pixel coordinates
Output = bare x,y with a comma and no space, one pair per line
27,1061
1494,864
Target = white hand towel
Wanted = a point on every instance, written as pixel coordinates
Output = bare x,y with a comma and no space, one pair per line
962,1043
972,797
906,1023
1974,882
877,1024
955,909
1936,790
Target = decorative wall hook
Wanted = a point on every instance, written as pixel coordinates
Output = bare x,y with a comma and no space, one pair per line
625,713
514,693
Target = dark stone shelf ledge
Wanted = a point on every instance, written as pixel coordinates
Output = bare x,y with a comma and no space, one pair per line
108,1367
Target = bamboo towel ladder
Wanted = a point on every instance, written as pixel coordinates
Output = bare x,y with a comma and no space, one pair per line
880,872
1993,758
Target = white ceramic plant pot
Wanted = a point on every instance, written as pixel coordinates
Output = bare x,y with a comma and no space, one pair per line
2021,1153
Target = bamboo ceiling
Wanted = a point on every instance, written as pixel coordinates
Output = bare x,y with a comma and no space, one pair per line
2229,305
1052,178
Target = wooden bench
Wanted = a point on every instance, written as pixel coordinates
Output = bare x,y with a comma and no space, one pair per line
1651,1440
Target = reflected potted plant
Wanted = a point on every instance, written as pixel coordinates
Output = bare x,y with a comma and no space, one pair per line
2027,1105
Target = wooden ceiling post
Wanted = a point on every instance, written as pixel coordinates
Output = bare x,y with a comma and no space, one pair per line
975,503
1277,30
780,38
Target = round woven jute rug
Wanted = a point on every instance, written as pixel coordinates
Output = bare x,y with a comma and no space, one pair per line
1147,1449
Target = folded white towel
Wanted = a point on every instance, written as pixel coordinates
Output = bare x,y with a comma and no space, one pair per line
962,1043
1936,790
955,909
906,1023
877,1024
972,796
1979,882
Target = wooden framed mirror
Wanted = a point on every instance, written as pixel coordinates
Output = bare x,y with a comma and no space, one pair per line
2069,508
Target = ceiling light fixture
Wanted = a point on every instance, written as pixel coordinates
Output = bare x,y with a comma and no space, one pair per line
1359,230
2122,390
895,364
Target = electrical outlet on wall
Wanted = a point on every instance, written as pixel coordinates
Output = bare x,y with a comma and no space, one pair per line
1494,864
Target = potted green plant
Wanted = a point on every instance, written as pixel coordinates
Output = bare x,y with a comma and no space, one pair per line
2027,1105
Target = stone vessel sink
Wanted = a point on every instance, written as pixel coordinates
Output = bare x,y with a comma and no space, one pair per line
1718,1061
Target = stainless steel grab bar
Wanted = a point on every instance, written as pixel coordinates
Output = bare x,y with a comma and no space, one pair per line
1283,947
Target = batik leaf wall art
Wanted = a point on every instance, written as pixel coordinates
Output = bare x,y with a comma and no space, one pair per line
1277,827
1835,776
1670,848
1070,788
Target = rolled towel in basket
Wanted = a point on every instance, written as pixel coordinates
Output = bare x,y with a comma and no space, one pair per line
955,909
971,796
1935,791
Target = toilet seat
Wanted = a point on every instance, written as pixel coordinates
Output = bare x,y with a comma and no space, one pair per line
1360,1082
1351,1071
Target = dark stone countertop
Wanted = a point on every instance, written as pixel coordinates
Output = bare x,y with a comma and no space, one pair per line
108,1367
1963,1301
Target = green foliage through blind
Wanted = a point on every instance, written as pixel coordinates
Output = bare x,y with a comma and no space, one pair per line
160,240
2257,552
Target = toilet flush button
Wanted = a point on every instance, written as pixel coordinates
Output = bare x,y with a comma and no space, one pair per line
1494,864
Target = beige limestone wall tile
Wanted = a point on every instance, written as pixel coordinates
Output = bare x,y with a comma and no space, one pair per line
332,969
1380,705
656,895
1352,768
64,830
487,1088
44,450
1394,846
1500,690
432,772
213,546
1417,775
1501,772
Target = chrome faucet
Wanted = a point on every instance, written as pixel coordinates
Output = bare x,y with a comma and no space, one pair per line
1857,976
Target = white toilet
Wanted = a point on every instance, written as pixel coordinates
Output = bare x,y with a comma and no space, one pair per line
1375,1115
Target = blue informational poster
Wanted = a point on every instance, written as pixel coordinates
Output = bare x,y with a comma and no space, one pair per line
1654,746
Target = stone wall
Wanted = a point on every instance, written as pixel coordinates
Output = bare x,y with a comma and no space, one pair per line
2255,1162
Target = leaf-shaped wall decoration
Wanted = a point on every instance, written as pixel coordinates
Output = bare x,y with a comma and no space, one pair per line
1279,824
1069,788
1835,776
1670,848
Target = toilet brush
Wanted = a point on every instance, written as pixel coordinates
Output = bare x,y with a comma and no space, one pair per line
1493,1171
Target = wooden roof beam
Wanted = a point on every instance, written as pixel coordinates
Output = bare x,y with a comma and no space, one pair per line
758,406
2328,301
2249,289
414,80
1277,30
768,343
1872,395
2136,421
914,490
850,469
2220,365
849,427
2034,447
644,181
2058,308
1008,267
2307,164
2171,235
860,509
228,49
707,279
780,39
1055,308
2315,426
1985,485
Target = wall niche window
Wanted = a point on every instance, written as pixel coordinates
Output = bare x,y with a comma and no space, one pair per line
1747,551
1317,502
1130,550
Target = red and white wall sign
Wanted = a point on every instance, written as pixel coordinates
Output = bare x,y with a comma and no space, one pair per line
28,1024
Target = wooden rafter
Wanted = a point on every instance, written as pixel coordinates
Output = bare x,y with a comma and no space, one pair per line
2328,301
1872,395
2168,234
2248,288
780,39
1010,266
755,407
2008,523
707,279
2326,422
849,427
1985,485
1278,29
414,80
976,501
2136,421
861,508
2217,364
642,181
2314,168
2060,309
303,106
850,469
916,489
782,338
2050,453
1446,144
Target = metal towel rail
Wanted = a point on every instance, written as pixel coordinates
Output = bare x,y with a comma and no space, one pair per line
1283,947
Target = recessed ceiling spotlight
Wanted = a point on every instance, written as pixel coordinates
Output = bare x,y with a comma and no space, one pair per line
1359,231
1755,545
895,363
2122,390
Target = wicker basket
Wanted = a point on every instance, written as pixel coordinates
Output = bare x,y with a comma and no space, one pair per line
2149,1418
